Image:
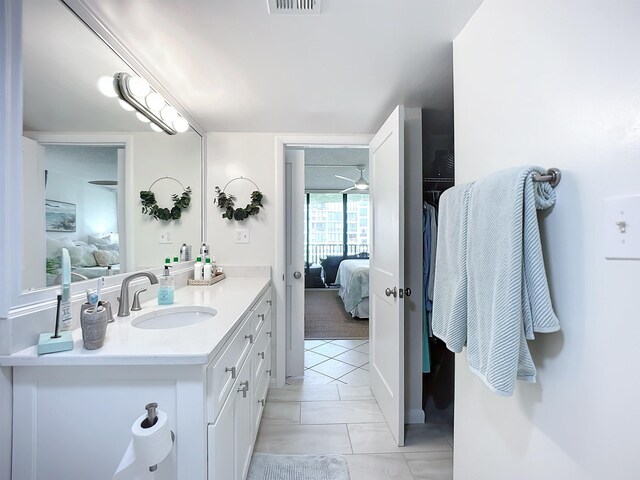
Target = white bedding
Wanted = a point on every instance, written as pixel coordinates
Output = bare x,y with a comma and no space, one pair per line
353,278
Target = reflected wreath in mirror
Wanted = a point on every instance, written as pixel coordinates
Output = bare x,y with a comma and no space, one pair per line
226,202
150,205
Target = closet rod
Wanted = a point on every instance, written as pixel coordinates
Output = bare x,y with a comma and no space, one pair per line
553,177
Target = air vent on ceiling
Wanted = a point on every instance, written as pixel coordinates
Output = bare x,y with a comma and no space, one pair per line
294,7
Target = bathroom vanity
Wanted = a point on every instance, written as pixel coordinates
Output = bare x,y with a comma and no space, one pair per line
73,410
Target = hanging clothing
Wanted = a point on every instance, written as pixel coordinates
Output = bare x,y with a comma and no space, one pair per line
429,235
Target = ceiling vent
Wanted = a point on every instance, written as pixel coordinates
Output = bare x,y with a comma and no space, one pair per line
294,7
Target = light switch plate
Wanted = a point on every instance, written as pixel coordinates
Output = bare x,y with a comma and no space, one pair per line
622,227
165,237
242,235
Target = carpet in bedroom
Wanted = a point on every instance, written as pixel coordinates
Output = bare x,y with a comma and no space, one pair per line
325,317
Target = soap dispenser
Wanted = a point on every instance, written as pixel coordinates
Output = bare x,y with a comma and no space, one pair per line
165,292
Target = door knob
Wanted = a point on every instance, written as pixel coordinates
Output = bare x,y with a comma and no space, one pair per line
389,292
297,275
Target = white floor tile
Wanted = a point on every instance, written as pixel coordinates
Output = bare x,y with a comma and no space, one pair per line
349,343
351,392
333,368
312,359
303,439
377,438
365,367
303,393
281,413
430,465
363,348
330,350
356,377
353,357
349,411
312,377
337,382
309,344
378,467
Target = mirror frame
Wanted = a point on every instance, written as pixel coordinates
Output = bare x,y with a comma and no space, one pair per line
12,298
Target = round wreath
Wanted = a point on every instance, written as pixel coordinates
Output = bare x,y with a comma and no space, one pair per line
227,201
150,205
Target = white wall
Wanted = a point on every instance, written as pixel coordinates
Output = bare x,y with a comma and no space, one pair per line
157,155
556,84
251,155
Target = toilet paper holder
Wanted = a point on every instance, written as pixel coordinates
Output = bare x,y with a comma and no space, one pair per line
150,421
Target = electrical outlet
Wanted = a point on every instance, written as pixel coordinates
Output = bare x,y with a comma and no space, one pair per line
242,235
165,237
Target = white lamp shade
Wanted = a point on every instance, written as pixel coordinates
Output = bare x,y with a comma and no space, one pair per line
155,101
138,86
180,124
155,127
126,106
105,86
142,118
169,114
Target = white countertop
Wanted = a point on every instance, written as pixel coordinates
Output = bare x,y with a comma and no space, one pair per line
189,345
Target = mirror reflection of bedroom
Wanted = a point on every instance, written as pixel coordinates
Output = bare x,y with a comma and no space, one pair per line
336,250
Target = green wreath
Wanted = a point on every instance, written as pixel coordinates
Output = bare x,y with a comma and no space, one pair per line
150,205
227,202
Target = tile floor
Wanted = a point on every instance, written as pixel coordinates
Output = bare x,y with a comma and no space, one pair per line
331,410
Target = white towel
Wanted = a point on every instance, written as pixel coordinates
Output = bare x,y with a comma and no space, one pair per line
450,289
507,292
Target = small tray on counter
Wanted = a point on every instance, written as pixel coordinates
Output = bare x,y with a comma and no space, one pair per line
211,281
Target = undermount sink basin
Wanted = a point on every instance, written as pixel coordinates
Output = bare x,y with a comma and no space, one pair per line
173,317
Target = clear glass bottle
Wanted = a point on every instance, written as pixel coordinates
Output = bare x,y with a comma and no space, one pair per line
166,290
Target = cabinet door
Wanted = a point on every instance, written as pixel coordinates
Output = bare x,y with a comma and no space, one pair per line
221,444
242,424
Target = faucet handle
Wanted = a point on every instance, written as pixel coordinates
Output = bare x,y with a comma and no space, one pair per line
136,300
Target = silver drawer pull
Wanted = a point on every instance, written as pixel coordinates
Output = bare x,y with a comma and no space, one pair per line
232,370
250,337
269,372
261,354
269,302
269,333
244,387
261,401
261,315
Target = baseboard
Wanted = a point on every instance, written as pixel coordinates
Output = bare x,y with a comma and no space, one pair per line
415,415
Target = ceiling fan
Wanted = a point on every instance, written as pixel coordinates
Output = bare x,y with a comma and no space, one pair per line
359,184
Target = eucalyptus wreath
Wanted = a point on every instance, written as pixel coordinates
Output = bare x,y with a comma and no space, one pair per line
226,202
150,205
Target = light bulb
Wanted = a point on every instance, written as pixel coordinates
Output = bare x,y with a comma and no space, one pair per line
126,106
155,127
155,101
180,124
169,114
138,86
105,85
142,118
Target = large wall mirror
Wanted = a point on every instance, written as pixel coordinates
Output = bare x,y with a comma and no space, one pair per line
86,159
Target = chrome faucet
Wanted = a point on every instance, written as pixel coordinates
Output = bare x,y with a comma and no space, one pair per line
123,307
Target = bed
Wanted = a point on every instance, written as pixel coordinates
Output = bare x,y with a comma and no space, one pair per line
353,278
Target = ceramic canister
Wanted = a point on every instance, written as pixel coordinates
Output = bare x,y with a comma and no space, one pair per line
94,327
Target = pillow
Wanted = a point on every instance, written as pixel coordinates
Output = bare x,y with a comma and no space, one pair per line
100,241
82,256
55,244
114,247
79,243
104,258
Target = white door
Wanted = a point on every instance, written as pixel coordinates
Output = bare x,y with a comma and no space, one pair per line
294,207
386,164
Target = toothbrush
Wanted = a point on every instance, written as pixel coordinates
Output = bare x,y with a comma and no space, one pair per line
100,284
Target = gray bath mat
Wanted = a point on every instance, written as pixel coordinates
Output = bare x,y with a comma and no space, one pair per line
298,467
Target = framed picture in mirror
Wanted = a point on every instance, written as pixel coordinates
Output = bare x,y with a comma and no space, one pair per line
60,216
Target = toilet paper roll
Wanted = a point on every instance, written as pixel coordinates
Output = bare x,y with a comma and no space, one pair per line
149,446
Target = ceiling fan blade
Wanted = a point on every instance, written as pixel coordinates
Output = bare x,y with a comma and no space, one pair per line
345,178
348,189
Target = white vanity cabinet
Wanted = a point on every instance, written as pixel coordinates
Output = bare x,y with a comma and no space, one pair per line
233,427
72,420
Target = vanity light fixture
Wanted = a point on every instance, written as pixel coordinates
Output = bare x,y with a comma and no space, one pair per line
136,94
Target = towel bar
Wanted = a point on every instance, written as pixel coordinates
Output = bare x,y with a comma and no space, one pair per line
553,177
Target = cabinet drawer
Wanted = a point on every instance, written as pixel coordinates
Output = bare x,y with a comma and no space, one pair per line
222,373
259,398
260,312
260,355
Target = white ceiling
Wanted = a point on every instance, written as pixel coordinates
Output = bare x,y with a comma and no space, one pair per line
322,165
234,67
